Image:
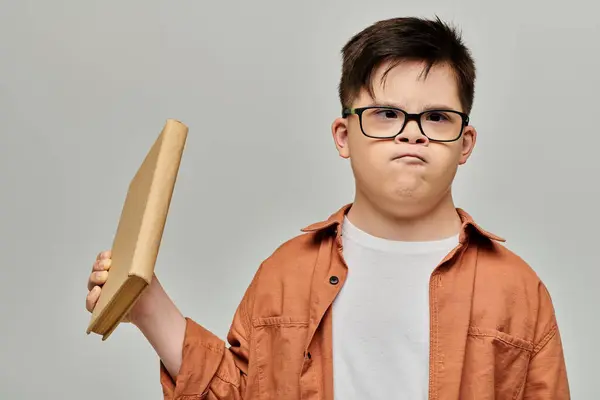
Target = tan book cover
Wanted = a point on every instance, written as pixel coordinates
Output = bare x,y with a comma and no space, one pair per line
140,229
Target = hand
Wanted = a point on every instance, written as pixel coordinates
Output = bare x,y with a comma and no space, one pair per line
97,279
100,270
154,314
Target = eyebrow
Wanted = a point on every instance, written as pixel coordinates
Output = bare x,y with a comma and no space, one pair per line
427,107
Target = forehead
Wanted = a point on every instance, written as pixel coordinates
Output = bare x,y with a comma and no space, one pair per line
408,86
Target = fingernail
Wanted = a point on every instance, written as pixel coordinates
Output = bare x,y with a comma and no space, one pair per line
106,263
101,275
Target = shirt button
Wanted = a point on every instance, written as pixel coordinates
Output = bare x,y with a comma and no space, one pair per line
334,280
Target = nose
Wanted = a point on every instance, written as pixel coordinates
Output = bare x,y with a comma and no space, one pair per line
411,134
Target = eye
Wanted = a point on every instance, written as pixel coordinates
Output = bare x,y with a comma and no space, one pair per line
436,116
386,113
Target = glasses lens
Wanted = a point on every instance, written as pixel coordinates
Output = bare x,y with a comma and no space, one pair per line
382,122
441,125
385,122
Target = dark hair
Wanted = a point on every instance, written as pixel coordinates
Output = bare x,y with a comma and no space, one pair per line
405,39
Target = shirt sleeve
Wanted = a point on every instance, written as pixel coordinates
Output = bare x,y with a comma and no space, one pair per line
547,373
211,370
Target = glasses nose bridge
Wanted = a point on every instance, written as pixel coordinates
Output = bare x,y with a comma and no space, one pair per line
416,118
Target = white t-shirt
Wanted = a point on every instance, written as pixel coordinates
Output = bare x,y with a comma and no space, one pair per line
381,317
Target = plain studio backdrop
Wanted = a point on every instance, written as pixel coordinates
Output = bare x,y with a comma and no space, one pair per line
85,88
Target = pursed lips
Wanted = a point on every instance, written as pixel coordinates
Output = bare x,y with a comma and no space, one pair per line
408,155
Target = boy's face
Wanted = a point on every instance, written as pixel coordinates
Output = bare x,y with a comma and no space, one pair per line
415,183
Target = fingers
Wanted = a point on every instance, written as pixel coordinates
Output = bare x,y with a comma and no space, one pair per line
92,298
102,265
103,255
99,271
97,278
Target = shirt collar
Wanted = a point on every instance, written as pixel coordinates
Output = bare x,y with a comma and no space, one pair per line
468,225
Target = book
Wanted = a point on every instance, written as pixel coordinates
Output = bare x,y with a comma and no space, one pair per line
140,229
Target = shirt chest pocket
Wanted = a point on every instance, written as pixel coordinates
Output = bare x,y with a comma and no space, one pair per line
495,365
278,350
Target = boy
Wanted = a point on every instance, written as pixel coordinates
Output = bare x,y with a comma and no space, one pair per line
398,295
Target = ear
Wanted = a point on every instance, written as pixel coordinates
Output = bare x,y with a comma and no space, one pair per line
468,144
339,130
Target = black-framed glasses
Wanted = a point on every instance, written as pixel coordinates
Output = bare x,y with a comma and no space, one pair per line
382,122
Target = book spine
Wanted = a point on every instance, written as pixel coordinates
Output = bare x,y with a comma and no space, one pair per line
163,183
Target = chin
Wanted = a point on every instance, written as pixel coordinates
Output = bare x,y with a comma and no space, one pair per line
408,187
408,194
406,208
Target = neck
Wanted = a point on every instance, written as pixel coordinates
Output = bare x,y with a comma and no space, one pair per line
434,223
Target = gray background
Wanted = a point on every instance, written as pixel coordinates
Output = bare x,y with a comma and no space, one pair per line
85,87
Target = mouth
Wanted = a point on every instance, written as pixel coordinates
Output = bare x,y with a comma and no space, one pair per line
409,157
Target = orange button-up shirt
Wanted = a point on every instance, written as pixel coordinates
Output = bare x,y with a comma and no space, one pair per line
493,331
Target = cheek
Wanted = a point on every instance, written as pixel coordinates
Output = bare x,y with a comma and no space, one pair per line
367,158
362,164
444,164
